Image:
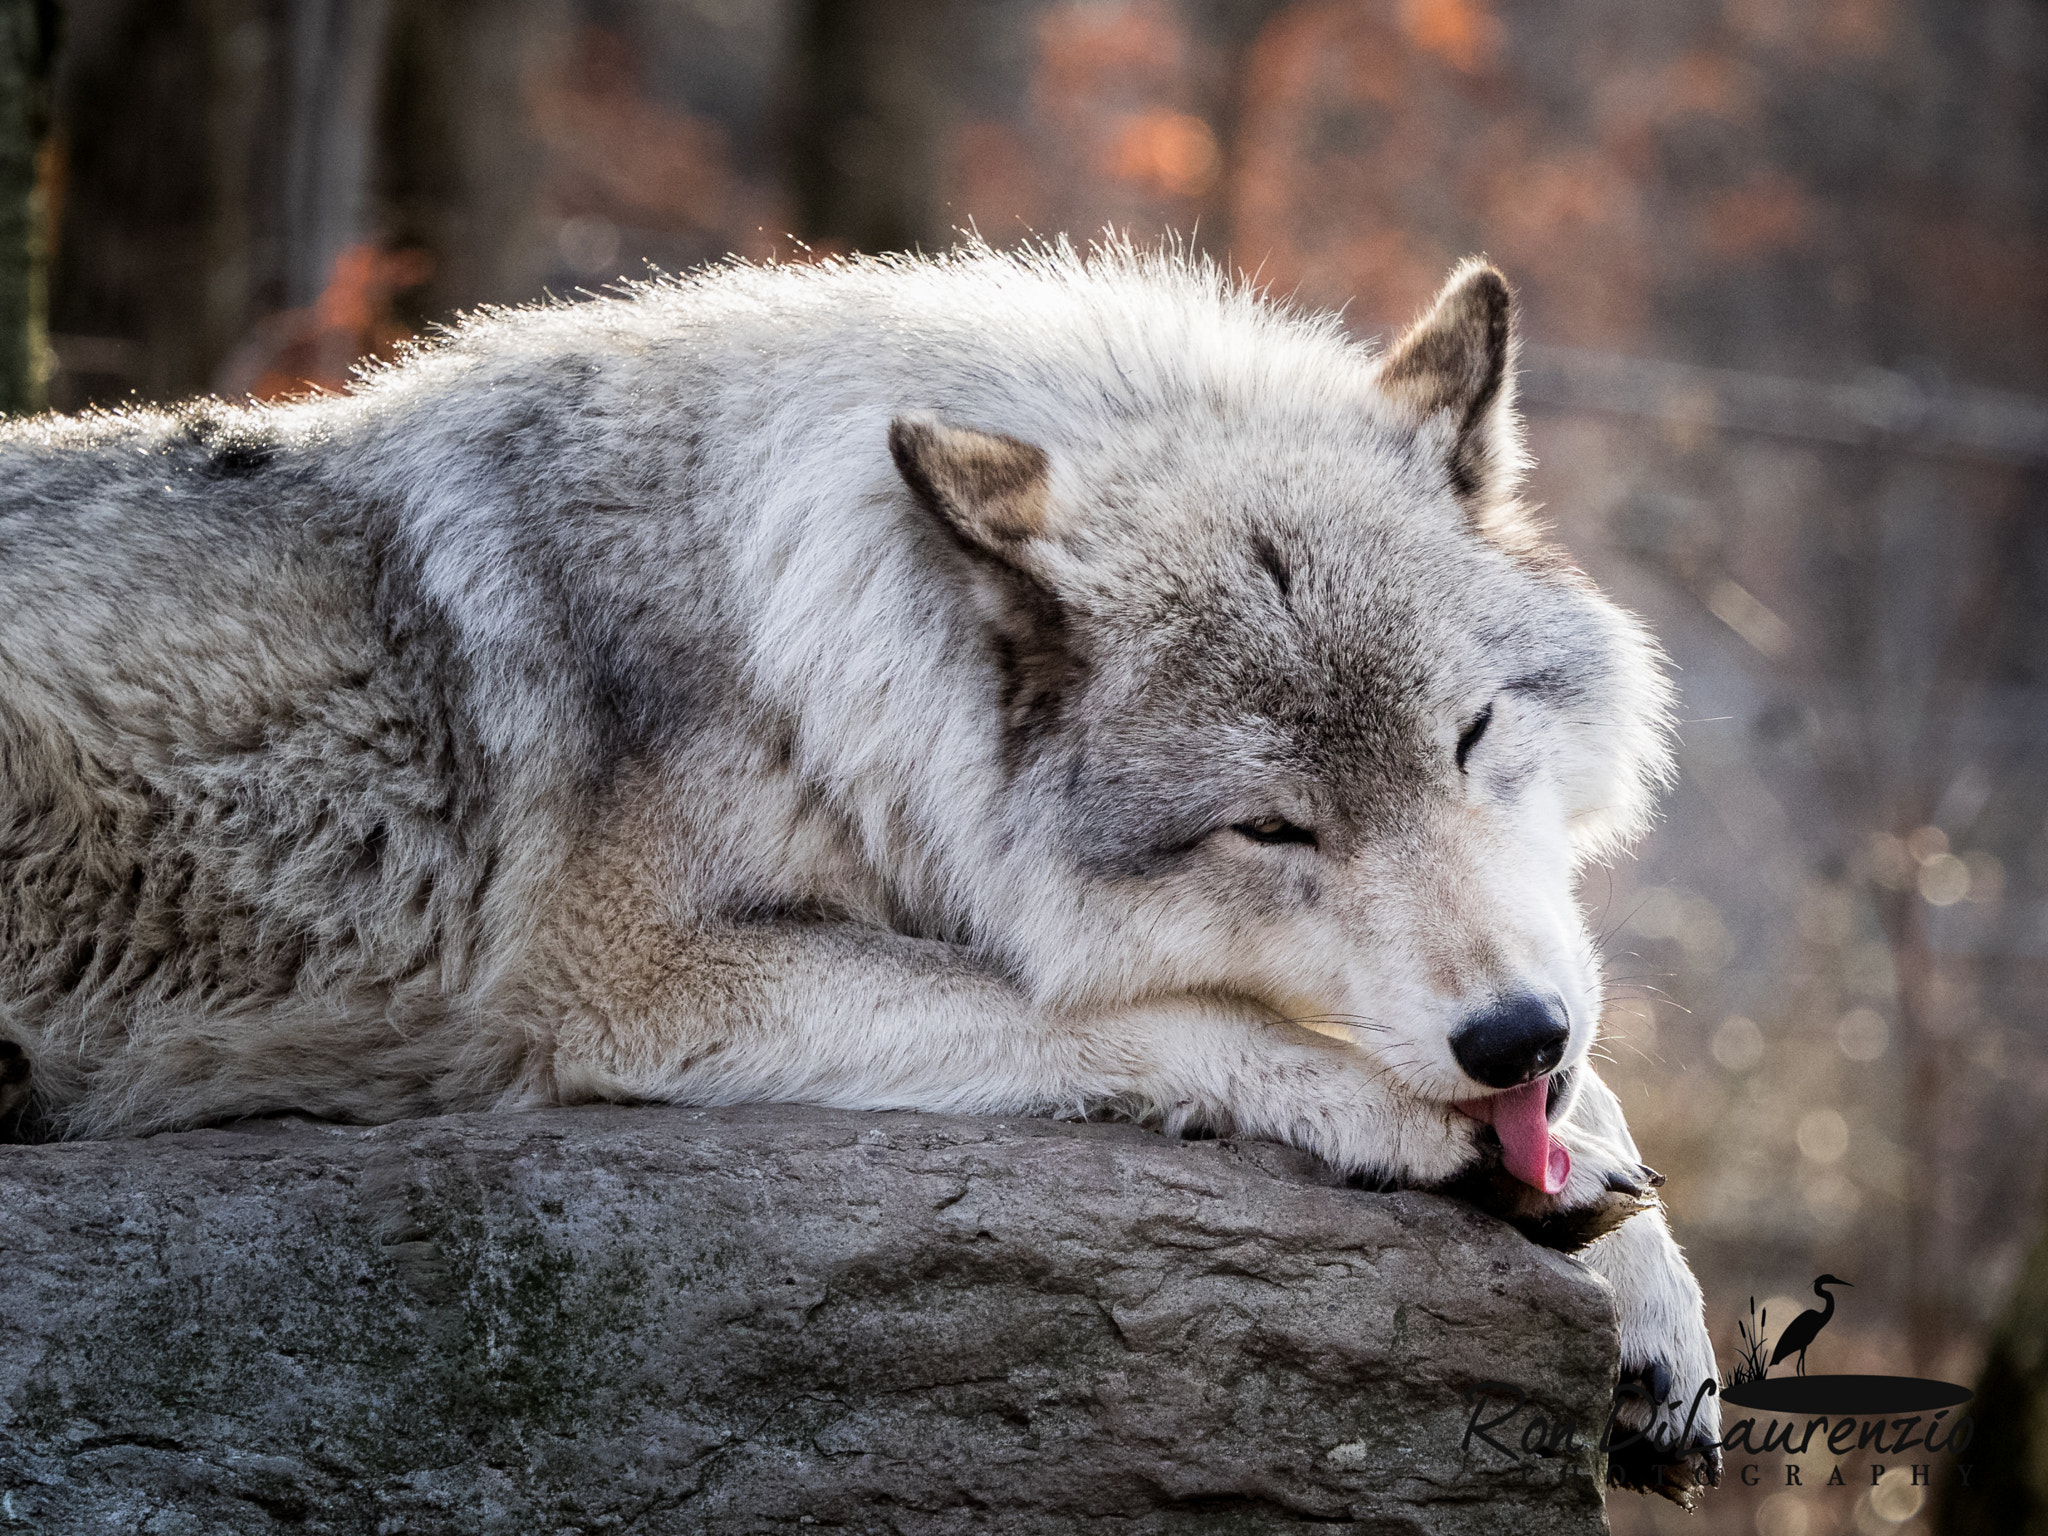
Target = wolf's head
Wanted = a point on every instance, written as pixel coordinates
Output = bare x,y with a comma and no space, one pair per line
1299,705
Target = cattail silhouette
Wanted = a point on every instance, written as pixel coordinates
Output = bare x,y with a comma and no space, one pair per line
1749,1361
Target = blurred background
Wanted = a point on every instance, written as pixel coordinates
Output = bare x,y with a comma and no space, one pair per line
1784,273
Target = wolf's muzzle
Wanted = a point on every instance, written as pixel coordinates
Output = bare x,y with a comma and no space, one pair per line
1514,1040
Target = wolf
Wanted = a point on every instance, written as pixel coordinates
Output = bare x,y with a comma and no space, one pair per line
1041,682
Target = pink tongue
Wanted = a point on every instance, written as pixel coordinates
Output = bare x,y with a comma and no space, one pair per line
1518,1119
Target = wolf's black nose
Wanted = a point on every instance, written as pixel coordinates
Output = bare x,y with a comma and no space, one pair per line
1514,1040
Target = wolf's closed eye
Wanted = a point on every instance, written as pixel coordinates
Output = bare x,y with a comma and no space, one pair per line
1274,829
1471,734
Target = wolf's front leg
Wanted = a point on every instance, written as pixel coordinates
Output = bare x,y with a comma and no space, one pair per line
861,1018
1665,1438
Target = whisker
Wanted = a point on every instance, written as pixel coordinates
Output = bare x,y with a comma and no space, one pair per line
1343,1020
1637,995
1641,902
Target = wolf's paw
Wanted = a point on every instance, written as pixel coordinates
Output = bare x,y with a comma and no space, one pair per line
1542,1218
1606,1186
1602,1165
14,1076
1657,1443
1667,1421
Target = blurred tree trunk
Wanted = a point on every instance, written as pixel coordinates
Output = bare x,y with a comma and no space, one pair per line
2008,1491
1232,28
870,103
333,74
28,40
459,165
165,113
224,154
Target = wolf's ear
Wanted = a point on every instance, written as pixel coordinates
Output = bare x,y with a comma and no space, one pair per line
1457,365
992,491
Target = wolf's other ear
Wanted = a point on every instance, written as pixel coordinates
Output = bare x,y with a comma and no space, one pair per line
992,491
1457,363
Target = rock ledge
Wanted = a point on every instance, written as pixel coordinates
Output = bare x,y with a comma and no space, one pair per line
672,1320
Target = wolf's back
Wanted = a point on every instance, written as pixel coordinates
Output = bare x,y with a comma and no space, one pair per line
225,791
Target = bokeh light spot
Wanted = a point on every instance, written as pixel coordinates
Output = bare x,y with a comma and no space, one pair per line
1862,1034
1823,1135
1944,880
1927,843
1783,1514
1738,1044
1896,1501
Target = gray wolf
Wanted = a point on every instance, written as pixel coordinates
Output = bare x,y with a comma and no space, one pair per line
993,683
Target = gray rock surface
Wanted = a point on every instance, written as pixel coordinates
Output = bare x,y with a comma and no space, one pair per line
664,1320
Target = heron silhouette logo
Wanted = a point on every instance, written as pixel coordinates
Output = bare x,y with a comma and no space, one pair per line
1807,1325
1752,1386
